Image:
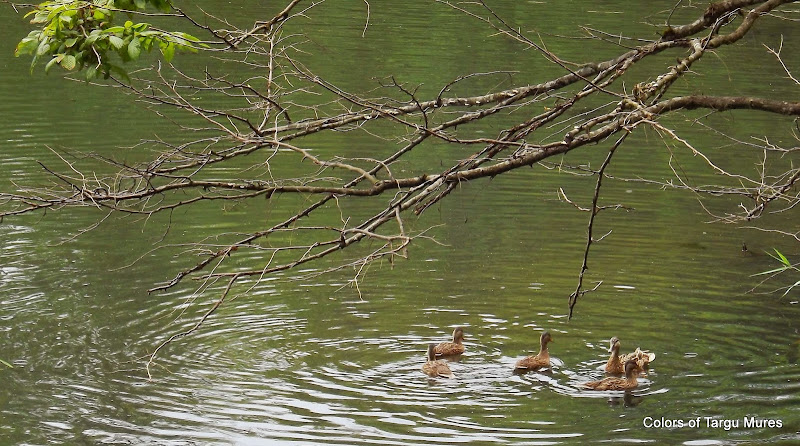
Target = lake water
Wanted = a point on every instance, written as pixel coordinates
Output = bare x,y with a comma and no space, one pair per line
311,361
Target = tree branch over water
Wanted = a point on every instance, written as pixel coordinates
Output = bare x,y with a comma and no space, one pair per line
251,124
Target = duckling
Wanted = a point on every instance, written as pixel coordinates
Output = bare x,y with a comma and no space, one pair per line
541,360
434,368
642,357
613,383
615,361
452,348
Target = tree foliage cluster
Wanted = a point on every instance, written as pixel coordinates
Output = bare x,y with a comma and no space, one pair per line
82,35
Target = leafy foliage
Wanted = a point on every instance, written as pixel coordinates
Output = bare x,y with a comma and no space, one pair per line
83,35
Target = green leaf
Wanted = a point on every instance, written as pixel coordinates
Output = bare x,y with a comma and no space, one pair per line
26,46
189,37
91,72
162,5
71,42
50,64
43,48
116,42
93,36
776,270
68,63
140,4
134,48
168,51
40,17
783,258
6,364
780,258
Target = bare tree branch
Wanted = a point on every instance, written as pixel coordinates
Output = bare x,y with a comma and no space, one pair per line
271,119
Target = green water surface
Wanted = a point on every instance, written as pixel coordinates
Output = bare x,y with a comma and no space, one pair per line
313,362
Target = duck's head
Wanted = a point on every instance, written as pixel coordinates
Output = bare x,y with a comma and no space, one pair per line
631,368
545,338
458,334
614,344
431,352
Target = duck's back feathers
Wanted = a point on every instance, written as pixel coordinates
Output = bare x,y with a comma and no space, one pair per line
612,383
449,349
456,347
541,360
632,369
437,368
434,368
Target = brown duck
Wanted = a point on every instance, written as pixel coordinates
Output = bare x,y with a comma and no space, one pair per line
541,360
434,368
615,361
452,348
613,383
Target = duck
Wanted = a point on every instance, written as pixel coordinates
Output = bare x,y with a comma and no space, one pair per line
613,383
452,348
616,362
643,357
541,360
434,368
